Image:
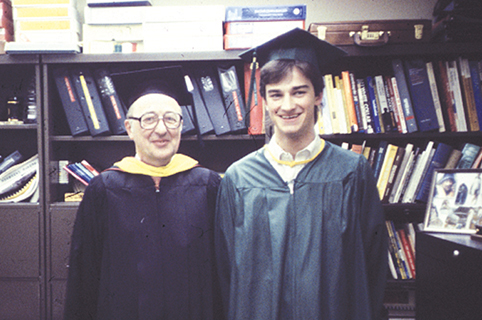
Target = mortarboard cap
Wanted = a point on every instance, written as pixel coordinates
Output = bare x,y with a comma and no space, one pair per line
296,44
131,85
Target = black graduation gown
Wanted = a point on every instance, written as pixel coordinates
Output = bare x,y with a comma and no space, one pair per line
319,253
141,254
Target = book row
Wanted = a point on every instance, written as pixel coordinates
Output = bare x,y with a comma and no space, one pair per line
404,174
92,105
401,249
414,96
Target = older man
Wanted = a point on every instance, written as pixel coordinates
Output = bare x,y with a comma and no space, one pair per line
142,246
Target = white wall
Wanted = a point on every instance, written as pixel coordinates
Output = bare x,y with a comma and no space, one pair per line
329,10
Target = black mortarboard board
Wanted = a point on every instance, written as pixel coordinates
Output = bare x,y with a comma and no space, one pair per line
131,85
296,44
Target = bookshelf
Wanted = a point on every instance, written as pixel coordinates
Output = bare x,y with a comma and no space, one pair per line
22,267
47,224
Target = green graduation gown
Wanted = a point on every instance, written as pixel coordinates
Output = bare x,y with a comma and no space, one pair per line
318,253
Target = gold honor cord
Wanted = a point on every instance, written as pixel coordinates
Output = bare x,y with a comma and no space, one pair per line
294,163
89,102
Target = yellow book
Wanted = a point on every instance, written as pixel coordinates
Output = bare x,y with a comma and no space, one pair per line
385,169
41,2
57,11
41,24
332,103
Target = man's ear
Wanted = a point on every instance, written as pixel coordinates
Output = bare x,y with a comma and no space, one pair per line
128,126
318,98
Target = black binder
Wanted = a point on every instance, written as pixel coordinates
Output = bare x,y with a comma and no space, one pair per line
113,107
233,99
187,120
206,79
203,121
70,102
90,101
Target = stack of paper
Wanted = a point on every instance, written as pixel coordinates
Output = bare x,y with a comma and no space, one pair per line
45,26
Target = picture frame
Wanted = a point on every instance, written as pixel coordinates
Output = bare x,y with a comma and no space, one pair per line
455,201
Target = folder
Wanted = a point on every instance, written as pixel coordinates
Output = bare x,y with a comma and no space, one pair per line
233,98
90,102
70,102
113,107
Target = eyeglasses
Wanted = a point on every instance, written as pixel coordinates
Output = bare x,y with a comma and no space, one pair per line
150,120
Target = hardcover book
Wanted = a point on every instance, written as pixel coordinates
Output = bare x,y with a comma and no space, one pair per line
439,160
374,108
397,67
418,83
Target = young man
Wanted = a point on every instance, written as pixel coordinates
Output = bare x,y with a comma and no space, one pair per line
142,245
299,229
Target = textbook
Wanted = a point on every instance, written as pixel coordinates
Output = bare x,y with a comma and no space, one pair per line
402,85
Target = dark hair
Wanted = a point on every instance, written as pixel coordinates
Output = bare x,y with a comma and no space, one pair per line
275,70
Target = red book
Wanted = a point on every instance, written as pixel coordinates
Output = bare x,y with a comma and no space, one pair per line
408,251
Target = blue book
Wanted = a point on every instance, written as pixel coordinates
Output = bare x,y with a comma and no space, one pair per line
274,12
377,164
422,100
372,100
397,67
475,75
439,159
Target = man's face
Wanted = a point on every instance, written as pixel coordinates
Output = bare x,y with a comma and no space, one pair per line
154,146
291,106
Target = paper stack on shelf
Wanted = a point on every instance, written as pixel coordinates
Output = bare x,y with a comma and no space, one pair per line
45,26
184,28
248,26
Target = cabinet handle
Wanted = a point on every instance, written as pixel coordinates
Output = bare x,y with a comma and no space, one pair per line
456,253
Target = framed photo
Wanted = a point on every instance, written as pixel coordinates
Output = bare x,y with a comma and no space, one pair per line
455,201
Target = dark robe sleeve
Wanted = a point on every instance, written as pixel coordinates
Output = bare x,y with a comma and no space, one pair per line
375,238
224,237
86,254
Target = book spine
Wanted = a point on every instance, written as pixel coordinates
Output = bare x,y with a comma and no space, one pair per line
476,81
372,99
468,94
341,106
459,111
356,103
385,169
408,154
382,149
408,251
397,67
334,116
447,99
349,100
469,153
417,81
75,175
439,160
436,99
382,102
393,173
367,118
